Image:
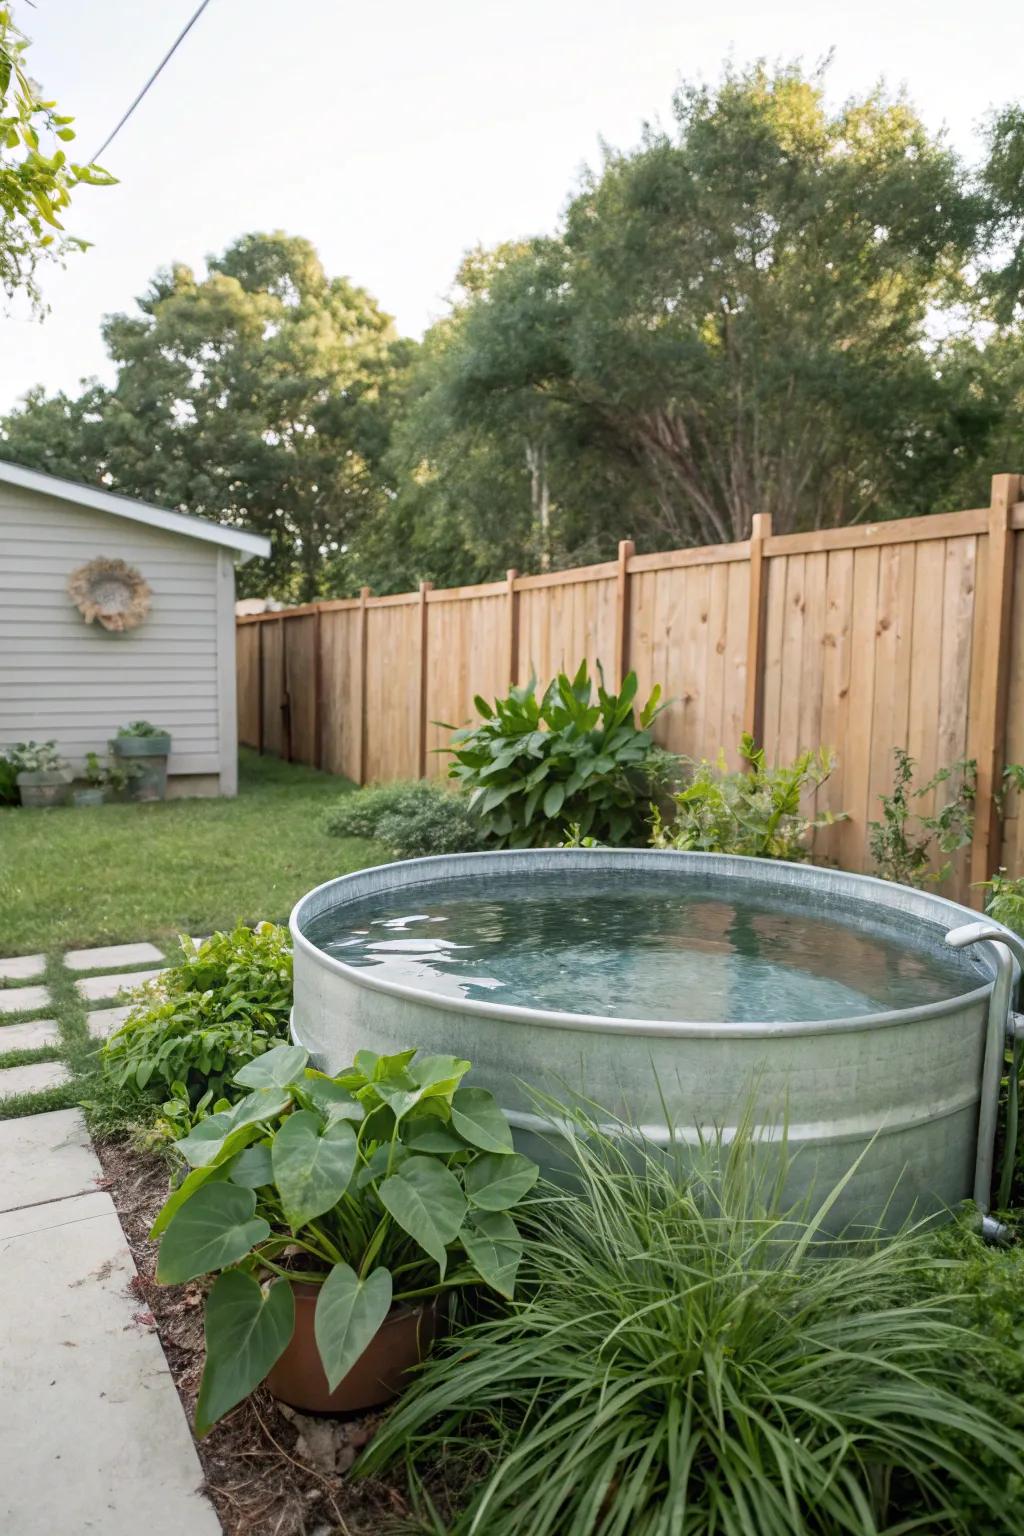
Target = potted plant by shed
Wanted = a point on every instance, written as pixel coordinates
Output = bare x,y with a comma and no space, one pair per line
43,776
334,1211
148,747
103,780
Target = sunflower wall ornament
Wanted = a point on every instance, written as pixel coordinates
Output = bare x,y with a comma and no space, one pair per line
111,592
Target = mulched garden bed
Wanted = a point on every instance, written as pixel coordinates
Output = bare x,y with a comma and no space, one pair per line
268,1470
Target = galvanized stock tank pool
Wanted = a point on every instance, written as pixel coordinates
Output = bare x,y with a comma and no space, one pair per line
673,987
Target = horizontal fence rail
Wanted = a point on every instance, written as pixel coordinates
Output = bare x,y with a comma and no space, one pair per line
907,633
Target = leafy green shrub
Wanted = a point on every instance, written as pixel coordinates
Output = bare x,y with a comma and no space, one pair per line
35,757
141,728
903,843
412,819
680,1359
1005,900
8,781
367,1185
538,767
756,811
223,1003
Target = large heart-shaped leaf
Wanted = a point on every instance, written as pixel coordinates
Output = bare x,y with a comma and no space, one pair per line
495,1248
253,1168
496,1181
246,1333
331,1099
202,1144
217,1226
427,1202
438,1076
312,1167
274,1069
478,1118
261,1104
349,1312
193,1180
428,1134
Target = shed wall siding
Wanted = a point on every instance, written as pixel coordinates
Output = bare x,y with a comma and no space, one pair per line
63,678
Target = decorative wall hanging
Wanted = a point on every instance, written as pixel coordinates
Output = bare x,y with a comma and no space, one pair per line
111,592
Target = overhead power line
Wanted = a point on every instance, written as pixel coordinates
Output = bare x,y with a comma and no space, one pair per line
172,50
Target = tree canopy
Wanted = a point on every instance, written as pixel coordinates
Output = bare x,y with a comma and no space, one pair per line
36,176
777,306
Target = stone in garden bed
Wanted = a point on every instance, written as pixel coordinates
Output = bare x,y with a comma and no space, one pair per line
24,999
110,955
95,989
103,1022
28,1037
34,1078
22,967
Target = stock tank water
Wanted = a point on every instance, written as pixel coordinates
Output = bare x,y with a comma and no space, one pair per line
674,990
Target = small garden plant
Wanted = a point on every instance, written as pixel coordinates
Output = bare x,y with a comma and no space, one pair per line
905,842
757,811
223,1003
537,767
142,728
389,1183
35,757
412,820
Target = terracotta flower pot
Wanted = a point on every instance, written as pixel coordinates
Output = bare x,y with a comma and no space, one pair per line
377,1377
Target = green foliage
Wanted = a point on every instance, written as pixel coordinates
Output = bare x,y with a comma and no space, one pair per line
252,395
1005,899
224,1002
8,779
903,844
36,176
538,768
35,757
756,811
680,1359
388,1183
413,819
141,728
113,773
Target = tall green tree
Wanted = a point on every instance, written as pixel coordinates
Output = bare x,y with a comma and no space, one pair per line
36,175
251,395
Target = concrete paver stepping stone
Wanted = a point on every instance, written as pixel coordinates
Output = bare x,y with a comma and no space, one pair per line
22,967
46,1157
24,999
32,1079
28,1037
102,1022
111,954
96,989
94,1435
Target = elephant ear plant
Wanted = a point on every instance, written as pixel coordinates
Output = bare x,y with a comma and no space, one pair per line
385,1185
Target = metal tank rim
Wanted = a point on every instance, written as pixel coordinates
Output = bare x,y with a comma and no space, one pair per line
774,874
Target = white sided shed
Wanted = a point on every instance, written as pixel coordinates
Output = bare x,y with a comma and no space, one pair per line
75,682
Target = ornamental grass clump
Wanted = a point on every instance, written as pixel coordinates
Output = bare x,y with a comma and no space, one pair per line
683,1357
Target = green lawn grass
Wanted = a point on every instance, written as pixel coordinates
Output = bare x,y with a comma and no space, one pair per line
114,873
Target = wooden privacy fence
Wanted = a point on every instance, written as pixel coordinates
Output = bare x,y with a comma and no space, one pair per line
907,633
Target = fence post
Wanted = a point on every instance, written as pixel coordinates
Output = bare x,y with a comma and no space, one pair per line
364,593
753,702
318,688
627,549
513,626
425,587
989,697
286,698
259,685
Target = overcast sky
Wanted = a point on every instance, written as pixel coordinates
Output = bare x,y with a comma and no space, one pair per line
395,135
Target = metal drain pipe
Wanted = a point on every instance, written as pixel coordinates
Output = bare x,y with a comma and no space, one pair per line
1003,1025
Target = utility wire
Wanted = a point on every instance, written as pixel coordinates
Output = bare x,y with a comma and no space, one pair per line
172,50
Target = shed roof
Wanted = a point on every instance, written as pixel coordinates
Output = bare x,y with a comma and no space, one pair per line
247,544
